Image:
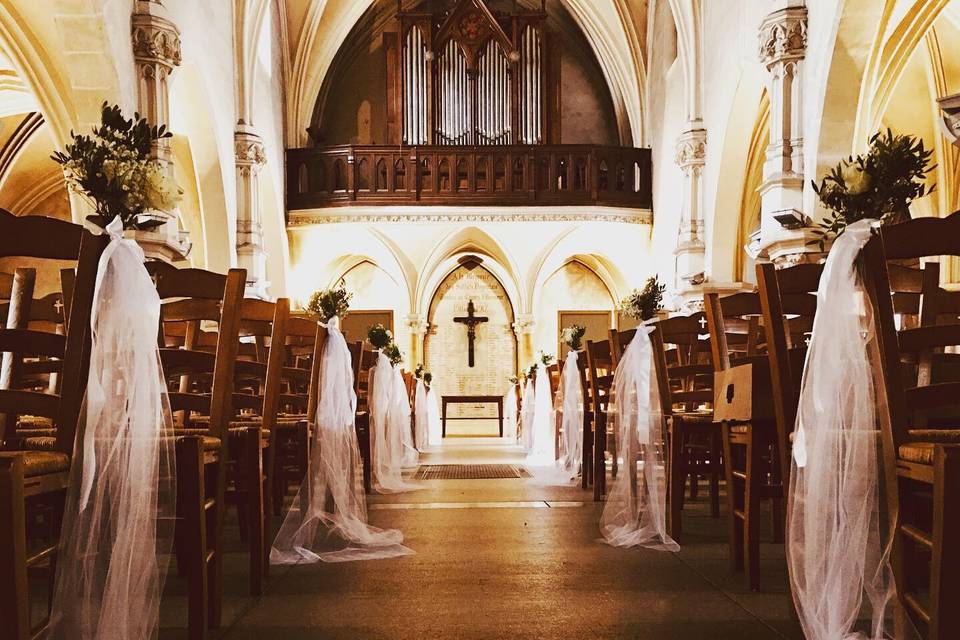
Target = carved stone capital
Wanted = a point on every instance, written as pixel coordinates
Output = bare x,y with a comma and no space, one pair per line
156,40
248,147
691,151
950,124
417,324
783,36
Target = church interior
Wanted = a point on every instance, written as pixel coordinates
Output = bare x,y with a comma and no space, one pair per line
480,319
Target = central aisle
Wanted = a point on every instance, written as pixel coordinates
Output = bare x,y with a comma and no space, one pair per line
509,559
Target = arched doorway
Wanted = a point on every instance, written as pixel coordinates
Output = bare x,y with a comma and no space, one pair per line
446,344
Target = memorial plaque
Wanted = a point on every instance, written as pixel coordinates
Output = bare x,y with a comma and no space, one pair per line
446,348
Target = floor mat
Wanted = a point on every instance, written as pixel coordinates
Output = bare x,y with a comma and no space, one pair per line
470,471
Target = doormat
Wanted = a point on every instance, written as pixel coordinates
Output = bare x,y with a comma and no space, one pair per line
470,472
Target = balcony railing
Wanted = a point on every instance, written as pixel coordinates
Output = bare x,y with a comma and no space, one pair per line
557,175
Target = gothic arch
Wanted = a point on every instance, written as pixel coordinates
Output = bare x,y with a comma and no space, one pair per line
326,25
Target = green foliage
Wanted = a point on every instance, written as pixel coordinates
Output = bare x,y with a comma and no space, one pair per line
379,336
392,351
880,183
572,336
113,168
330,302
513,379
643,304
546,358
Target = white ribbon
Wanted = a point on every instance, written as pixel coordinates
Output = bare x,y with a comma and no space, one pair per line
118,520
834,551
570,404
386,430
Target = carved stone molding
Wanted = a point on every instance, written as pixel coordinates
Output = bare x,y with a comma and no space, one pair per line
156,39
783,36
950,124
691,151
249,149
417,324
524,324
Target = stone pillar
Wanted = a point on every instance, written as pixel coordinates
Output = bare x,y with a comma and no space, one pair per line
156,54
418,332
691,155
523,326
250,159
785,229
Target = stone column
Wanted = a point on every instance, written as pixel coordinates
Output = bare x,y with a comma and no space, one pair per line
250,159
691,155
418,332
156,54
785,229
523,326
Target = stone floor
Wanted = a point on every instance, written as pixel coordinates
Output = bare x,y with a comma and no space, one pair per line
506,559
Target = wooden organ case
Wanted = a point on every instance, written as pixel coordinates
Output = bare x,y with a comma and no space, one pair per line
471,76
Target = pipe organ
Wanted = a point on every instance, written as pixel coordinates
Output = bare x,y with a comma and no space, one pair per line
470,75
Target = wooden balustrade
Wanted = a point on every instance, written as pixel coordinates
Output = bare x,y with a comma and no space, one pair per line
558,175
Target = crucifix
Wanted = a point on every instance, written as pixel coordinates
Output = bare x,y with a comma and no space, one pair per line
471,321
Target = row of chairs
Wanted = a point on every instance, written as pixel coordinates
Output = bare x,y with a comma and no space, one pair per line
730,378
242,377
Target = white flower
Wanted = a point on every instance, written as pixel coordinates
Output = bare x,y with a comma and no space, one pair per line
160,190
857,180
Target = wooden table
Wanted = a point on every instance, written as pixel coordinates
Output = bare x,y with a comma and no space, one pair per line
473,400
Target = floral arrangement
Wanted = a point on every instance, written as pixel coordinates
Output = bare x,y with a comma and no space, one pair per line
330,302
379,336
392,351
546,358
643,304
531,371
422,374
572,336
113,169
878,184
513,379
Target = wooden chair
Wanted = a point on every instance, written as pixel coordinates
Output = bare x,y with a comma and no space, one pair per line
362,361
684,372
749,431
32,483
918,398
600,374
201,386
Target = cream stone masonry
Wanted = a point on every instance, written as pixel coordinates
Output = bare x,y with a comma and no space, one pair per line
156,54
250,252
691,156
783,46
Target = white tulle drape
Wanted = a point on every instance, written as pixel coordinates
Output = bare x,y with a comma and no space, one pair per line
400,419
510,413
528,409
386,429
434,421
835,550
328,519
421,417
635,510
120,507
569,405
542,446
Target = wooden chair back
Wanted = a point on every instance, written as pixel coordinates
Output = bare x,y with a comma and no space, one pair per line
266,323
683,364
40,238
789,301
203,380
919,399
734,324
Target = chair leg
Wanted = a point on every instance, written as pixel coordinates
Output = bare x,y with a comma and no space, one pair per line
779,521
716,445
599,459
192,536
586,472
615,454
734,523
945,562
217,480
751,511
677,476
14,594
252,474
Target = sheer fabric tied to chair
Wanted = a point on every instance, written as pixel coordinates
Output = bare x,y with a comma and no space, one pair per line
121,501
328,518
835,548
635,511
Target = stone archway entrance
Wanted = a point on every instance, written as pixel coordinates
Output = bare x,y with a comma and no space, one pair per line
495,346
